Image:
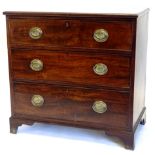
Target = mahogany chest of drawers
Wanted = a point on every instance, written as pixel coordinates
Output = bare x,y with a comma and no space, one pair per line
85,70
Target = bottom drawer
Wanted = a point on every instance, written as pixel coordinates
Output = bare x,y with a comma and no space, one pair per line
72,104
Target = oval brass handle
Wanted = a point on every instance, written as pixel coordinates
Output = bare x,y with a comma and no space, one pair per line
36,65
37,100
99,107
100,69
101,35
35,33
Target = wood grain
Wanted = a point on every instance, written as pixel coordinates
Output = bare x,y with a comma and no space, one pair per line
67,81
71,68
72,104
71,33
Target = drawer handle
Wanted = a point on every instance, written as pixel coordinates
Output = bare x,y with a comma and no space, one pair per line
36,65
100,69
37,100
101,35
35,33
99,107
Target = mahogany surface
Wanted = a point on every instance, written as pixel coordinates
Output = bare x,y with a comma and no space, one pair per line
67,81
71,68
71,33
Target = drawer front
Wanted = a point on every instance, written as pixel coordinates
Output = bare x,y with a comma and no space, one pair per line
71,33
72,104
71,68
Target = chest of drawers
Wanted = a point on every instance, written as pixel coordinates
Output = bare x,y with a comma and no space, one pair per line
85,70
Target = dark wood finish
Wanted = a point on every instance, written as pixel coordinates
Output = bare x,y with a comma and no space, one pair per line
72,104
126,137
62,15
71,33
71,68
16,122
143,119
67,82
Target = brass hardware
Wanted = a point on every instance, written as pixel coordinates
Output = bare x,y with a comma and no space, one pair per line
37,100
35,33
99,107
36,65
101,35
100,69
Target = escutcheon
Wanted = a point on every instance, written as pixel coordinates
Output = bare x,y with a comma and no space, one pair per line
100,69
101,35
37,100
35,33
99,107
36,65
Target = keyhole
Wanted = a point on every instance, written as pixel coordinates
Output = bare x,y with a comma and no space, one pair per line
67,24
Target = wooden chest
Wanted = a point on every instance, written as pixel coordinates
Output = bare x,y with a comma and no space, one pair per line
85,70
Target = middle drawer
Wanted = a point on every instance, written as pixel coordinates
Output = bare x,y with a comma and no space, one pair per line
71,68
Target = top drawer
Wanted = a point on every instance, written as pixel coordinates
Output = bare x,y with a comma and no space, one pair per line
48,32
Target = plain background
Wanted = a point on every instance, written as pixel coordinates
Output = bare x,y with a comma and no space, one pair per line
44,139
